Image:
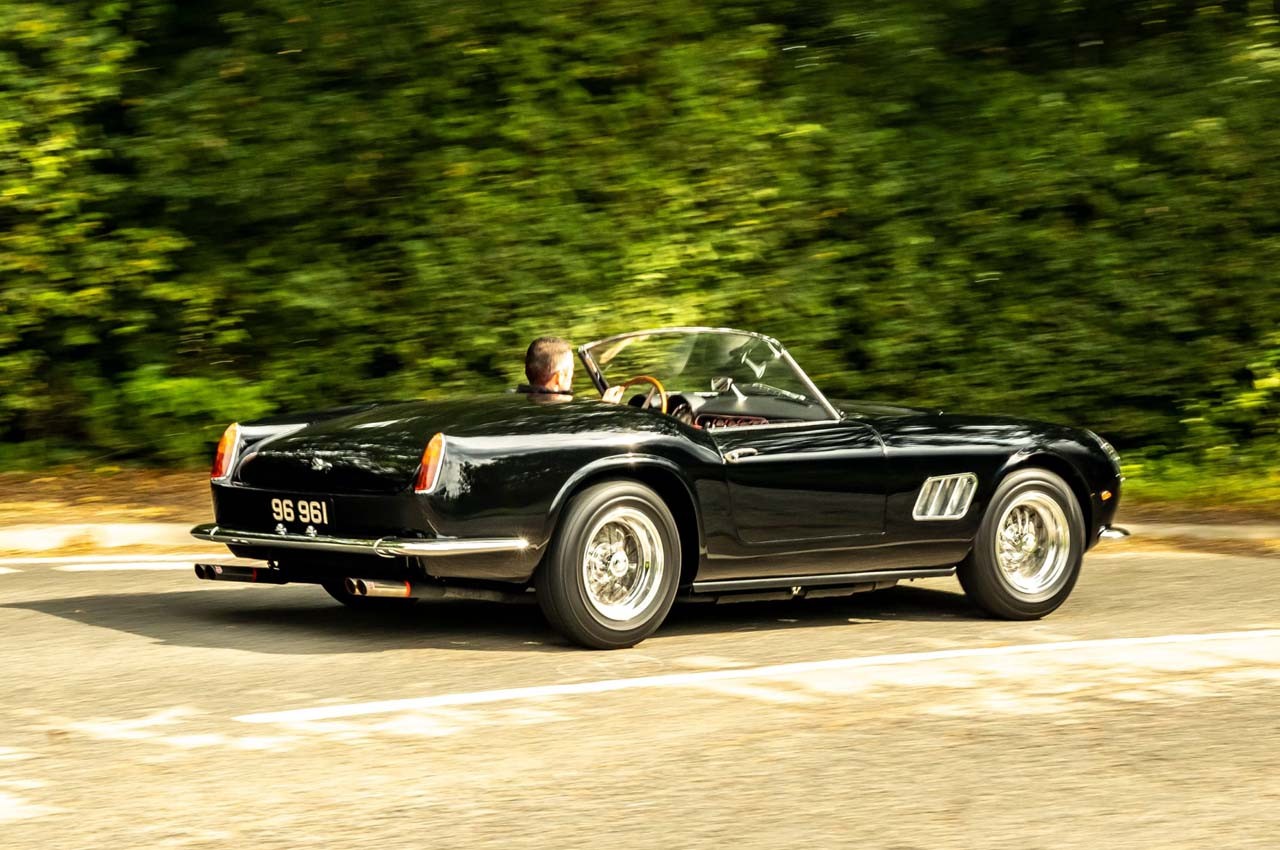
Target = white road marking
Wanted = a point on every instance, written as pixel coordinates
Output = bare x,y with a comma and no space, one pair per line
706,677
13,807
1163,554
4,570
108,559
10,754
100,568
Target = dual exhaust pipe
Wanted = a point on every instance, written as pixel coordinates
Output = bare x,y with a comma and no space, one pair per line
379,588
264,574
240,572
260,572
376,587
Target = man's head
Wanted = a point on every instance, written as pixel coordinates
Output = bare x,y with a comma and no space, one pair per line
548,364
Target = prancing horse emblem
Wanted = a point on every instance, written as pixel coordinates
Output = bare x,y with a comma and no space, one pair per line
320,464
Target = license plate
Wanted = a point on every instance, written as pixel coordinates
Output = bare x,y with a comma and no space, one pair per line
307,511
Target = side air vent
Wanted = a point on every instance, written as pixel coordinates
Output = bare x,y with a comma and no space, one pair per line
946,497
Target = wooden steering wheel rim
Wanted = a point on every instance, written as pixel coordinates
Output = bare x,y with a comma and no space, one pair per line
652,381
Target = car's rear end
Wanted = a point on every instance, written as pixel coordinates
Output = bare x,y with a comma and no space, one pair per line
344,496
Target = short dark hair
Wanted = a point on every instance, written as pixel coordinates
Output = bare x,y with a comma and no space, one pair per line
543,358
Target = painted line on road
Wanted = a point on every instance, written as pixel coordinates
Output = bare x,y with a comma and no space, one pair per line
109,559
701,677
4,570
111,568
1163,554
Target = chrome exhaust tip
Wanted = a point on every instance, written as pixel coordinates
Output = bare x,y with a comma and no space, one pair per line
240,569
378,587
404,589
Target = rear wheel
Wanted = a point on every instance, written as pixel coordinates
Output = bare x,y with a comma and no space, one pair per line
611,573
1027,554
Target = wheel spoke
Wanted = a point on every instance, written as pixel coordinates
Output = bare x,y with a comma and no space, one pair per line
1032,545
623,564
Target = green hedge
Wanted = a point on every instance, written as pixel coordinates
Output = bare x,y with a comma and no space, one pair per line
1056,209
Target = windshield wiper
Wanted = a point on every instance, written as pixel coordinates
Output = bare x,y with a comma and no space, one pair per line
786,395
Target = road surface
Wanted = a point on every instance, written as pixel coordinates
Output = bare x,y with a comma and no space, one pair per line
141,708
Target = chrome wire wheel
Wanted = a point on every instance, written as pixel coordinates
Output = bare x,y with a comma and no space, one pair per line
622,564
1033,546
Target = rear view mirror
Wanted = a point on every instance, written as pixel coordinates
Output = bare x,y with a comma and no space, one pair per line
721,385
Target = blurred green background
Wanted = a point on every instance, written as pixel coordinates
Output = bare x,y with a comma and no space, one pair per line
1067,209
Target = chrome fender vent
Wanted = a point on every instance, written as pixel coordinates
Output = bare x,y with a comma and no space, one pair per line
946,497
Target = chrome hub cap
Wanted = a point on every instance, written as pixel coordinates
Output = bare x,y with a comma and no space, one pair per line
622,564
1033,546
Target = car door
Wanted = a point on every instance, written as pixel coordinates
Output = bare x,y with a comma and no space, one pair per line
801,486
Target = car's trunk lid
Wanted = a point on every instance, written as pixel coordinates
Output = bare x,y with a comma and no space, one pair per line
378,449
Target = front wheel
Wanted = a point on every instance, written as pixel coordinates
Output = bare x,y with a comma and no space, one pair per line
611,574
1026,557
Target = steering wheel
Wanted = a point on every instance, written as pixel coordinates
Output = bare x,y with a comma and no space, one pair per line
655,386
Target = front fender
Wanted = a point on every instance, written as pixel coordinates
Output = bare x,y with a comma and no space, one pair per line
1074,464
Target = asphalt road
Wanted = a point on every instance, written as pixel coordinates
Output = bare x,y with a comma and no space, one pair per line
141,708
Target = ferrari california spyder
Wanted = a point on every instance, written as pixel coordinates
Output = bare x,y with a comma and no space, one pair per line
724,474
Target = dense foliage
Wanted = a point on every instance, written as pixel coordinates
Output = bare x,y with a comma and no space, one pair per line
1062,208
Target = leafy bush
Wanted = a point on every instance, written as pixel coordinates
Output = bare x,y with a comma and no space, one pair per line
1053,209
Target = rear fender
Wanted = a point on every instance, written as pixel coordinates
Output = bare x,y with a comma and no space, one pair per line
619,466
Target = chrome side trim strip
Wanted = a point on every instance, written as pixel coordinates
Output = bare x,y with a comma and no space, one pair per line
389,546
800,423
833,454
820,580
945,497
386,547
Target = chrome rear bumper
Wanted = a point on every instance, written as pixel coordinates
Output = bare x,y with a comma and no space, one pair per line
385,547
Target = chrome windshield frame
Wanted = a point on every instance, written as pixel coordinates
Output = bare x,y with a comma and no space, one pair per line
597,377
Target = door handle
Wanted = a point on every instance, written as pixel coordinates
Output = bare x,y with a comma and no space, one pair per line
735,455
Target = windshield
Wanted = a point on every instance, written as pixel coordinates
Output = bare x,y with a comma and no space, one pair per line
705,362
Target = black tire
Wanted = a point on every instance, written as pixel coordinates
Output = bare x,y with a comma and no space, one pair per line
363,603
562,584
1008,595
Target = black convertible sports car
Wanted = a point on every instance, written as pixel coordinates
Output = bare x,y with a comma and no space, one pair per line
730,476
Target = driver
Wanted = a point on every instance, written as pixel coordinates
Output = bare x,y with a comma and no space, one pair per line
548,366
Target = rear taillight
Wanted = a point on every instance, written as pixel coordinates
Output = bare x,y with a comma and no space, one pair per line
429,471
224,461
